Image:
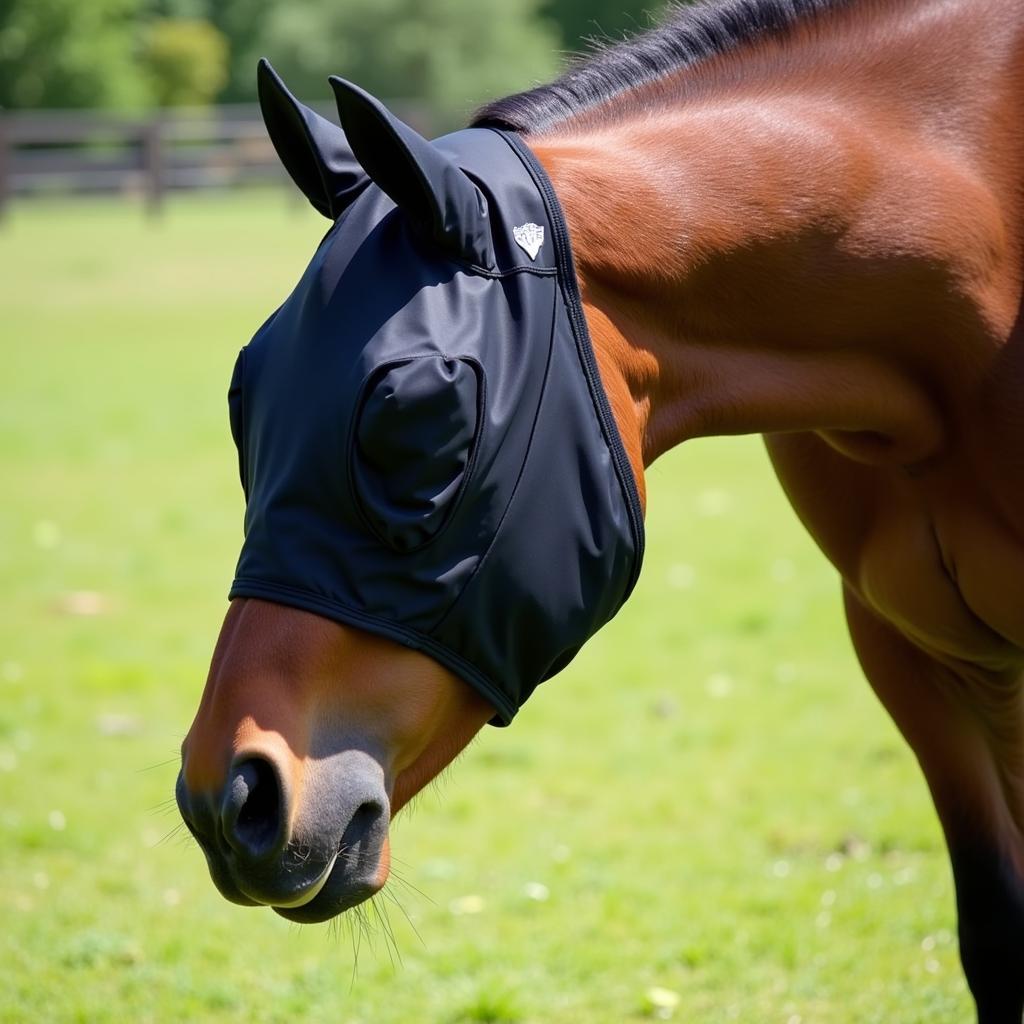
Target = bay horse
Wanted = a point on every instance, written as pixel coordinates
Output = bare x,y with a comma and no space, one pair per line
798,218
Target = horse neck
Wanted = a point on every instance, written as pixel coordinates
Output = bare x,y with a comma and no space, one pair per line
794,251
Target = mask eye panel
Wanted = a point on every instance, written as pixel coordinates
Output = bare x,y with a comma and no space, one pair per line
412,446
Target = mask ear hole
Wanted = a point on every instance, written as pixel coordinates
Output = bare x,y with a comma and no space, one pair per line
236,406
413,444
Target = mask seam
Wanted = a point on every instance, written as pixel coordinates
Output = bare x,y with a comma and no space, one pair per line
567,281
519,477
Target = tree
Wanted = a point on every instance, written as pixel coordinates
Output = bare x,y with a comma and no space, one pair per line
582,21
244,23
185,61
69,53
448,54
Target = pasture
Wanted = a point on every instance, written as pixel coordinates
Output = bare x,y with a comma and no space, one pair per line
708,817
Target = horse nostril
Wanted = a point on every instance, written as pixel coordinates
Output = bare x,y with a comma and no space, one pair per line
366,830
366,816
253,813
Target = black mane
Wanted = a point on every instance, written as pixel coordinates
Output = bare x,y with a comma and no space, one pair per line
689,34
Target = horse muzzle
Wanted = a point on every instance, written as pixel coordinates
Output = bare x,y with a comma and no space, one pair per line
310,848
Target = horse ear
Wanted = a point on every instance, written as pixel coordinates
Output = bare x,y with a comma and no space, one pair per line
314,151
425,184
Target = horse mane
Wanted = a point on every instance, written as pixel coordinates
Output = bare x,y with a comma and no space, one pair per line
690,33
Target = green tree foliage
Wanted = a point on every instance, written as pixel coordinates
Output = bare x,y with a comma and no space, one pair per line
244,23
451,55
185,61
69,53
582,21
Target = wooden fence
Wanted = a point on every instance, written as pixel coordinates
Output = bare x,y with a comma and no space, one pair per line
48,152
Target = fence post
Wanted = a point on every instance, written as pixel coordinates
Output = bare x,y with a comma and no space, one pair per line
152,146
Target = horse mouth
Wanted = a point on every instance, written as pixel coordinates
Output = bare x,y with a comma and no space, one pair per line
338,889
357,869
312,890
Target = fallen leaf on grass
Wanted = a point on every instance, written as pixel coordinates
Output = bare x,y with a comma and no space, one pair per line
83,602
471,904
661,1002
114,724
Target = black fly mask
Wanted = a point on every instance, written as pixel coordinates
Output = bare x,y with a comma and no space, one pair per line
425,446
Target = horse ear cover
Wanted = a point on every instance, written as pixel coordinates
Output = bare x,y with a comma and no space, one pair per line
429,188
314,151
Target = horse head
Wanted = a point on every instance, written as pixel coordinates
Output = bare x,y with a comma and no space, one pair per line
439,509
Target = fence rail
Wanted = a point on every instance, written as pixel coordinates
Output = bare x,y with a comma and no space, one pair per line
47,152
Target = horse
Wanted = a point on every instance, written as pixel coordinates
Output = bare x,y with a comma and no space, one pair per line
794,218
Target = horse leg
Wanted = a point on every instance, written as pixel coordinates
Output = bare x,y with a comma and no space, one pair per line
968,735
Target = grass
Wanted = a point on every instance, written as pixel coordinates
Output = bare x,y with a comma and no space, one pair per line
708,802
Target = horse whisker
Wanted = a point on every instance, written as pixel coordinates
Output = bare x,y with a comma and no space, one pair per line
168,836
159,764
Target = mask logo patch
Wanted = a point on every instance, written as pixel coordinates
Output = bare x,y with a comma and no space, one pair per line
529,238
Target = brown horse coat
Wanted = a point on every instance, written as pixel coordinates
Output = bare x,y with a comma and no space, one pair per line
832,256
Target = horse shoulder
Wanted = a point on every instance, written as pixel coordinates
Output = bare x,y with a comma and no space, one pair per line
929,556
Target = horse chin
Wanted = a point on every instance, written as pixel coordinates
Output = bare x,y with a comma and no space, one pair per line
356,870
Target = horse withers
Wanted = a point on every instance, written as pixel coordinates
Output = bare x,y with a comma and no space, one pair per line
799,219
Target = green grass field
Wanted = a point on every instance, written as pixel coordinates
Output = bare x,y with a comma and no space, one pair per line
709,802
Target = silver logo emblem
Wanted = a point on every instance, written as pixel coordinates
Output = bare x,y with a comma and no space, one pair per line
529,238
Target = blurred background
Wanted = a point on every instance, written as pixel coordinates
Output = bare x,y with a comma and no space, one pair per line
158,95
706,818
